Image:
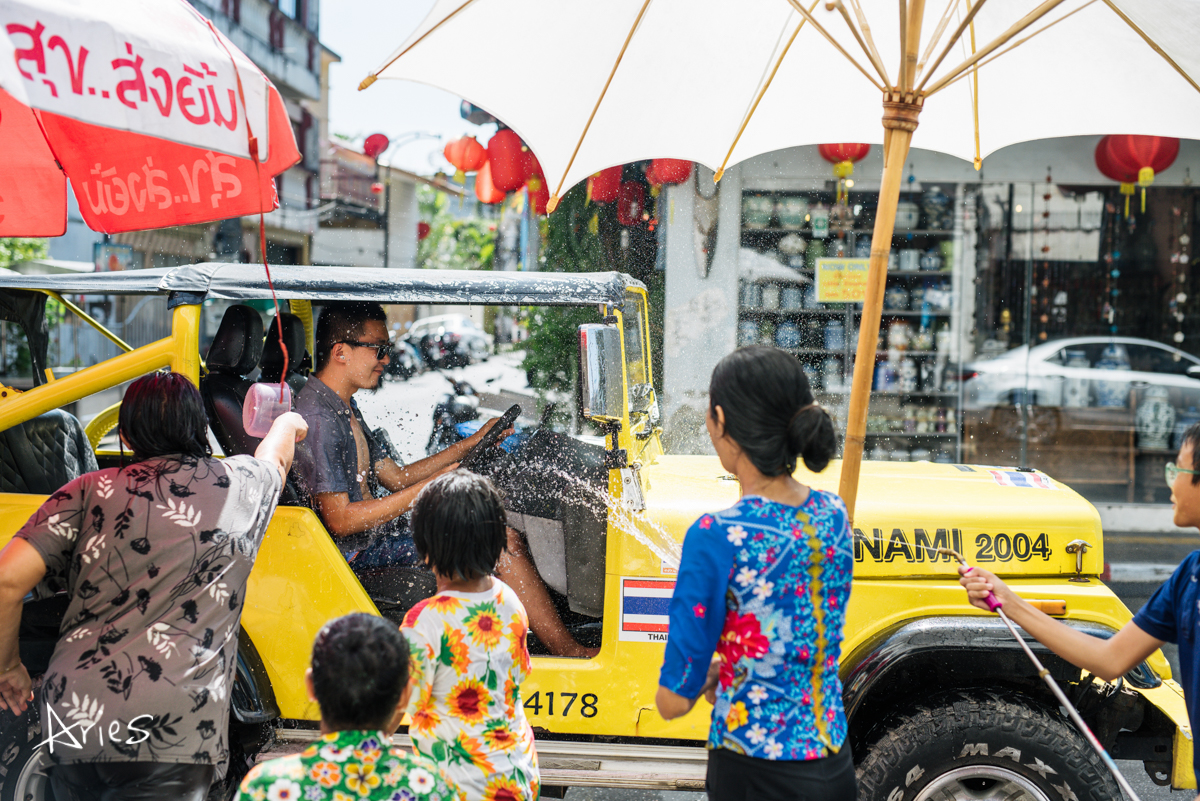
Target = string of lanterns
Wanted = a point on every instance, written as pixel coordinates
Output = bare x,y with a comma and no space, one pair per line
506,164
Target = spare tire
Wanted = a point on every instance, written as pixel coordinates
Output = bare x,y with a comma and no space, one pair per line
971,745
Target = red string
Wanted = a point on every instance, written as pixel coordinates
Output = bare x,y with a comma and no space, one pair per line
252,143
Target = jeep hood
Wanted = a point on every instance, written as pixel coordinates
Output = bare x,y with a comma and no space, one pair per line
1013,522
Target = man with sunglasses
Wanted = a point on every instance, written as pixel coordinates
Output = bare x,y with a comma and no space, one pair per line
1171,615
347,475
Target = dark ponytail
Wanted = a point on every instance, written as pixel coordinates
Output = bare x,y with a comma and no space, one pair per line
769,410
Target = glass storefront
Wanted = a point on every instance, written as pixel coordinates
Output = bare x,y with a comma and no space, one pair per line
1085,338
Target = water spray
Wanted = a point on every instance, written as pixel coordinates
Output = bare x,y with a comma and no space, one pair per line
996,605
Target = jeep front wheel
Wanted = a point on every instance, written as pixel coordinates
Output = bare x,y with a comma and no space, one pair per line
23,760
978,745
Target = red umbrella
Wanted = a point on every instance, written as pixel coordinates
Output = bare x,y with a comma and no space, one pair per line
157,119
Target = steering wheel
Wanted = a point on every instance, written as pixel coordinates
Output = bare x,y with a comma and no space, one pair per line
480,452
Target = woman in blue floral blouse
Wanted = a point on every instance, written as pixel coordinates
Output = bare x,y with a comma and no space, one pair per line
764,585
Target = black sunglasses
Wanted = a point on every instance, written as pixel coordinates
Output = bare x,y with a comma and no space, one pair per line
382,350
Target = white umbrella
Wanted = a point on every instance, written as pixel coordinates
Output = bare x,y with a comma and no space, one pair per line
720,81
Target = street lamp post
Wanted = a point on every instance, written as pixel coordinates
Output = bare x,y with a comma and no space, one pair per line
375,146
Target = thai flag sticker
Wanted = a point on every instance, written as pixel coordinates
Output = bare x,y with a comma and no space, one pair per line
644,609
1015,478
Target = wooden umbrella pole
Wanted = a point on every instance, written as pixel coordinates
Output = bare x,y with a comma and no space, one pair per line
899,121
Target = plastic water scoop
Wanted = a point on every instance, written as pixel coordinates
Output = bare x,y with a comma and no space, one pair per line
264,403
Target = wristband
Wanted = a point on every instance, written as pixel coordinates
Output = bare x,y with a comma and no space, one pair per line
11,667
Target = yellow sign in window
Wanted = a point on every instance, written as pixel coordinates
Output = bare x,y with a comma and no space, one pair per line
841,280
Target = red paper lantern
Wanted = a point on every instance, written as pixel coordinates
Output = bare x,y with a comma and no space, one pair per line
536,177
844,151
422,230
374,145
1131,159
466,155
661,172
510,160
843,155
631,202
485,190
604,186
539,197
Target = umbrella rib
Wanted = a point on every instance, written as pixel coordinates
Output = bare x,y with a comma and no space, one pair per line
754,106
866,32
553,203
1018,26
976,68
903,83
837,4
937,34
956,36
978,161
837,45
1153,45
374,76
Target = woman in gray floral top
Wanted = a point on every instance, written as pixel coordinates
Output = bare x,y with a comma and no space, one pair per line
154,557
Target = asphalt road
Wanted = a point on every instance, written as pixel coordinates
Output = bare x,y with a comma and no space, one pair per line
404,408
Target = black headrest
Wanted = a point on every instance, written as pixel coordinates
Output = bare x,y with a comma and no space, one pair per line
239,342
272,355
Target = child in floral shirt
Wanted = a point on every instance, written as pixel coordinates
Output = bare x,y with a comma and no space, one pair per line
468,646
359,678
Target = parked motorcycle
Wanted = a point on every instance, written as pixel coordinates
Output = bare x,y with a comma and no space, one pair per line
406,361
457,407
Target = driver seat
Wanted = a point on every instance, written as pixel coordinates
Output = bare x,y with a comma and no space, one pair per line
233,355
298,363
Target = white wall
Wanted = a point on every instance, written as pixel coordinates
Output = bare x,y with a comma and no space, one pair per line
700,318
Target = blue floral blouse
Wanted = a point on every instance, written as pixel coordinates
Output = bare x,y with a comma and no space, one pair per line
765,586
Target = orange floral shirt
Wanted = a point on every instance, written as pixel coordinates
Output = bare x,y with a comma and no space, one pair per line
469,658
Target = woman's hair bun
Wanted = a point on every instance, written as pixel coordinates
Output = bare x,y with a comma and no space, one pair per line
812,436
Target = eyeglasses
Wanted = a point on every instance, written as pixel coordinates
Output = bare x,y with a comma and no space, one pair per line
1172,471
383,350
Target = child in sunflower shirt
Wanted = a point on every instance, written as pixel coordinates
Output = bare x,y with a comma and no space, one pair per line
360,679
468,646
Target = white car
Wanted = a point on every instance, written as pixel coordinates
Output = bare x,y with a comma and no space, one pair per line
463,340
1082,371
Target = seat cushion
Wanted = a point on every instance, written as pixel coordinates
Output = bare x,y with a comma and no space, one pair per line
41,455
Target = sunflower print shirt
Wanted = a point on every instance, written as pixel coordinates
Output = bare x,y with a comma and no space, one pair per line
765,586
469,658
349,766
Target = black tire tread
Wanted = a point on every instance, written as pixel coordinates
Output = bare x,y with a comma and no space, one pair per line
1022,718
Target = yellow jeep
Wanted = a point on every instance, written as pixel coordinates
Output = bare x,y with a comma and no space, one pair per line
941,701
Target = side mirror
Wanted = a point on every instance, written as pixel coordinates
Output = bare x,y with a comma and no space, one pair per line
600,372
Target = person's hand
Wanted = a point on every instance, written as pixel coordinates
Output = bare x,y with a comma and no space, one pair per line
297,423
16,690
475,438
711,680
979,582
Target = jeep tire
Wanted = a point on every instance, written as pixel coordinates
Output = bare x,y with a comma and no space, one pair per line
23,761
975,745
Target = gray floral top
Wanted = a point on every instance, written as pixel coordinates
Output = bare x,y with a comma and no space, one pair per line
155,558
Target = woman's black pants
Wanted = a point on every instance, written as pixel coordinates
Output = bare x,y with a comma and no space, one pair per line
736,777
